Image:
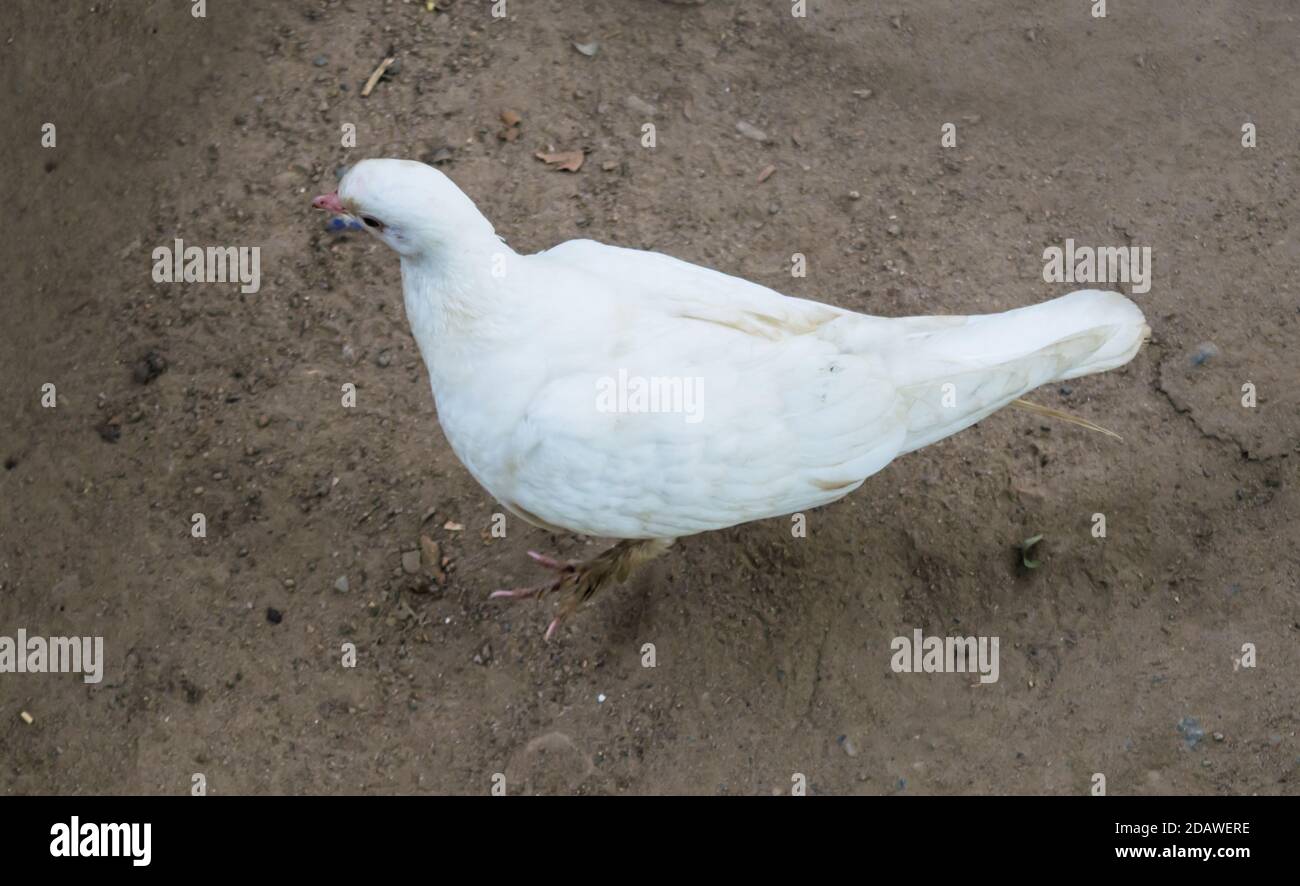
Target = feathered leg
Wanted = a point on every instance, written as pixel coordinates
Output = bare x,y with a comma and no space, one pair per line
578,581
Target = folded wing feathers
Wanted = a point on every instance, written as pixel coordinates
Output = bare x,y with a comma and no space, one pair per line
805,400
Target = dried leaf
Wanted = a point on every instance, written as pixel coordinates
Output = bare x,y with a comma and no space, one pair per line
766,173
566,161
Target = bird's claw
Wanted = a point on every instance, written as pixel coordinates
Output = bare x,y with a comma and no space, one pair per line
567,571
577,580
538,591
546,587
552,563
554,626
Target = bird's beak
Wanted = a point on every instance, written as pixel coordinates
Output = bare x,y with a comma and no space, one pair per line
329,202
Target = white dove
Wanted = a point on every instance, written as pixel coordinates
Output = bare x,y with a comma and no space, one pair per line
626,394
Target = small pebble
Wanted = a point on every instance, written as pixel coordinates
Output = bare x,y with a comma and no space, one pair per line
1191,731
149,367
274,616
411,562
341,584
640,106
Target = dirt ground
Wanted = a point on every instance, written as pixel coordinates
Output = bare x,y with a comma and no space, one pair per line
223,654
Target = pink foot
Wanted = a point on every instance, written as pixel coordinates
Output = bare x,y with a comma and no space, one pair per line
552,563
518,593
553,627
537,590
566,572
576,581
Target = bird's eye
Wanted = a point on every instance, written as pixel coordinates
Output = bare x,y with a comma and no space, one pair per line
372,222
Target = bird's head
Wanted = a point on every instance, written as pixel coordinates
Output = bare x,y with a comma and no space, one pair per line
411,206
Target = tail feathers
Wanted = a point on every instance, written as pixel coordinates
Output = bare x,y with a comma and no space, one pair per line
955,375
1129,329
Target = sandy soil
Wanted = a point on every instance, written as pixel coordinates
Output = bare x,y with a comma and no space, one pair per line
772,652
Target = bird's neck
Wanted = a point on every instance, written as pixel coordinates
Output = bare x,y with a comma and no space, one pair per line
457,302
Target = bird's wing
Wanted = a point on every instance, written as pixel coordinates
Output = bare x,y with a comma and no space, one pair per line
695,292
763,409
